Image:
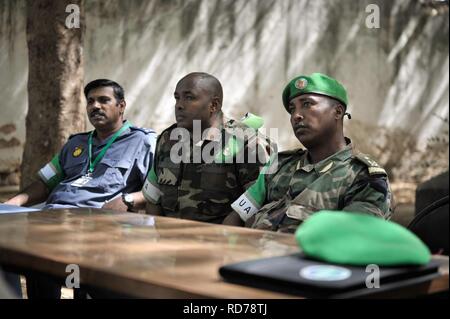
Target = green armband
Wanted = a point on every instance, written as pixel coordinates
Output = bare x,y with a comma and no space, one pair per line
150,190
51,174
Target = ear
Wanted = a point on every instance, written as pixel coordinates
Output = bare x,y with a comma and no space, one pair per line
339,111
215,106
122,106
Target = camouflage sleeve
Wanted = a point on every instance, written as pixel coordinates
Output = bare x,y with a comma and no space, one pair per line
369,194
52,173
256,157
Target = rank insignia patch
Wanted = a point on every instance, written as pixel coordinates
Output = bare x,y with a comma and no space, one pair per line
77,151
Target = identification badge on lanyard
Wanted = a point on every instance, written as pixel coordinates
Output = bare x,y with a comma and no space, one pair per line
82,181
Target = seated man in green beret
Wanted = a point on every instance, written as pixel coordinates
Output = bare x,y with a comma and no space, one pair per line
329,174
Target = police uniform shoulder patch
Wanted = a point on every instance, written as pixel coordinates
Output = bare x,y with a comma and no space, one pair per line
373,167
78,151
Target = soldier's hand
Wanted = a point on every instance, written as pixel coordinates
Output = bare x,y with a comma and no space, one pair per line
116,204
233,219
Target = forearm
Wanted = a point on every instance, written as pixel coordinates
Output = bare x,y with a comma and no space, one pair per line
139,201
36,193
152,209
124,204
233,219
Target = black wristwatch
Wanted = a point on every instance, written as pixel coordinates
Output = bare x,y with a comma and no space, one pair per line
128,200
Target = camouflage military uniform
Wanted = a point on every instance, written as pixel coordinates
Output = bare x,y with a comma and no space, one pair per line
348,181
203,191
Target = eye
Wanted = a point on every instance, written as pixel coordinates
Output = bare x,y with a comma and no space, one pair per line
291,108
103,100
306,104
189,97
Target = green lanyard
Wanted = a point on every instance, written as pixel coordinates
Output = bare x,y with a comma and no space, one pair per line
94,163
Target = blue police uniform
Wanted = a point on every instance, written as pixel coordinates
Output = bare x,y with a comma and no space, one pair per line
122,169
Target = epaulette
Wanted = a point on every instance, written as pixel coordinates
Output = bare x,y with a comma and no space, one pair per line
253,121
76,134
142,129
239,130
373,167
298,151
249,120
164,133
287,156
233,124
169,128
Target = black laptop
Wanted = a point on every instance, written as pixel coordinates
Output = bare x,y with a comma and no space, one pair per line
295,274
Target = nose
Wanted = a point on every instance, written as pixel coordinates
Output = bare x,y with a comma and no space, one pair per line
178,105
94,105
297,116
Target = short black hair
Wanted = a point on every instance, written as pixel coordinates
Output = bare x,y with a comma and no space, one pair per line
119,92
212,83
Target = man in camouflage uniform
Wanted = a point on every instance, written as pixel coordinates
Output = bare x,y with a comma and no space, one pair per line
329,174
195,188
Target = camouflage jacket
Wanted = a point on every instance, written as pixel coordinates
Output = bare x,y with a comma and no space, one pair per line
348,181
204,191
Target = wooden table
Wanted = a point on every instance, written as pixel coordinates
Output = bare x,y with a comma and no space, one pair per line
141,255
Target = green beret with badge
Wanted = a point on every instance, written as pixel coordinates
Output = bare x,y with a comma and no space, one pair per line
317,83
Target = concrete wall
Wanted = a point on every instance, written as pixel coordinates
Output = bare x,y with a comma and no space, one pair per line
396,76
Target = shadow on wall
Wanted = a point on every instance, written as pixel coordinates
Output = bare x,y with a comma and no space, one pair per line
396,76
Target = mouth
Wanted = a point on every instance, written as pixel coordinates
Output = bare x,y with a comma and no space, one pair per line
300,128
179,117
97,116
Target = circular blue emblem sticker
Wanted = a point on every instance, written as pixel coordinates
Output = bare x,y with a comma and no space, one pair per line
325,273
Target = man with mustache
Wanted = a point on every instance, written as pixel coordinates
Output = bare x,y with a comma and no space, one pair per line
202,190
93,168
106,167
328,175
